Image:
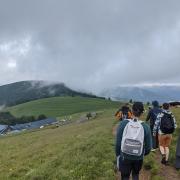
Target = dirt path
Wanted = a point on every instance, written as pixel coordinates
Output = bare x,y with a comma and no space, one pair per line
166,172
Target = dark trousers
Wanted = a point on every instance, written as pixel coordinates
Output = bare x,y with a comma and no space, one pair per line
177,165
130,166
155,141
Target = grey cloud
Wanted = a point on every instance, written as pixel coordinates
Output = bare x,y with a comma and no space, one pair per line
93,44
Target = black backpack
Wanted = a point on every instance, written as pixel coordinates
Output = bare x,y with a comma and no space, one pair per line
167,124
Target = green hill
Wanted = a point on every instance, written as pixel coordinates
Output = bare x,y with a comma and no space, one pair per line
61,106
25,91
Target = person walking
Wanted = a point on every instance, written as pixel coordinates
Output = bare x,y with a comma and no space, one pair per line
133,142
123,113
177,164
165,124
152,116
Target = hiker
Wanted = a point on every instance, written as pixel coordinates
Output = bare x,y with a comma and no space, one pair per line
133,142
123,113
165,124
152,115
177,164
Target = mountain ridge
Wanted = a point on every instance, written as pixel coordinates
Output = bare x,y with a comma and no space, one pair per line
143,93
25,91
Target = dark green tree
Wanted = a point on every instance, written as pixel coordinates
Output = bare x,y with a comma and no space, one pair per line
41,117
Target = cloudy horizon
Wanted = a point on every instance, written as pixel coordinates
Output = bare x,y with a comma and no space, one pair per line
90,45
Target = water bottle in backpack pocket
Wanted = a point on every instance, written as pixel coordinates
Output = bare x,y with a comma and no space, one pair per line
133,138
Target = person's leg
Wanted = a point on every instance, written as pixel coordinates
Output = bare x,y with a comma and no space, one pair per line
157,141
125,168
125,177
161,144
162,148
167,153
153,139
137,165
167,144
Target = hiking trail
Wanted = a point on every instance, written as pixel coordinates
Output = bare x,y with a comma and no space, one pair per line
166,172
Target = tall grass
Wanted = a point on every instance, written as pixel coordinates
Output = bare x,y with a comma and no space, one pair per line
78,151
74,151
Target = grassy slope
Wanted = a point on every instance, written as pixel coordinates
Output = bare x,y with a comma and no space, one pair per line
61,106
79,151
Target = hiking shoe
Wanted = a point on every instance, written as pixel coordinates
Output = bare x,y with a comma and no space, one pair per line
163,161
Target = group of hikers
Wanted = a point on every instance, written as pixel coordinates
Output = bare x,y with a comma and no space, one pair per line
136,139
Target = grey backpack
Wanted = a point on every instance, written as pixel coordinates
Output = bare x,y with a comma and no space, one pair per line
133,138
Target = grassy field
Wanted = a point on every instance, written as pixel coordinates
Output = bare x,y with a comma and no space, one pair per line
78,151
71,152
61,106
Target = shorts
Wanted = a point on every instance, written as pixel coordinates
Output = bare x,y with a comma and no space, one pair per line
165,140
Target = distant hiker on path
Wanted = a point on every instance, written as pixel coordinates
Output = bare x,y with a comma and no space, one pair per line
133,142
152,116
123,113
165,125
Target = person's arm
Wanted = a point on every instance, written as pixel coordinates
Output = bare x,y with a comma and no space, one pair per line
157,124
148,140
148,116
174,119
119,138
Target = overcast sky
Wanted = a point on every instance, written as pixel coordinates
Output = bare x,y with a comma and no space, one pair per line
90,44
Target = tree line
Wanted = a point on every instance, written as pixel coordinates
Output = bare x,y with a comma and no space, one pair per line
6,118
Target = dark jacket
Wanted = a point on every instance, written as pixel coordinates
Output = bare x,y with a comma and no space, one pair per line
147,141
177,164
178,147
152,115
